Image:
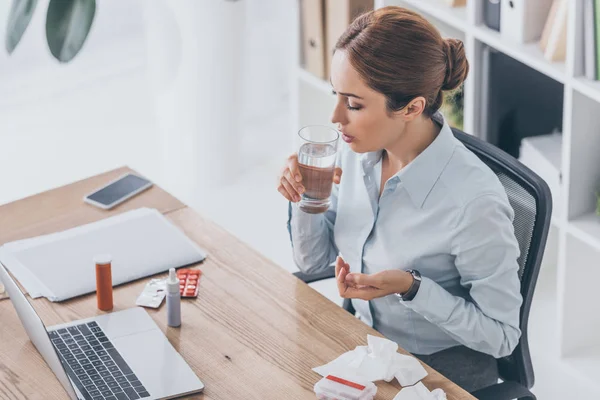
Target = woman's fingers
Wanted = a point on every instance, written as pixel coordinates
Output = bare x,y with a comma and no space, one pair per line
284,192
287,174
366,293
341,272
289,180
292,165
362,280
339,263
291,191
337,175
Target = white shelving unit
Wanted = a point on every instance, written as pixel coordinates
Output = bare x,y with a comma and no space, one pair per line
574,254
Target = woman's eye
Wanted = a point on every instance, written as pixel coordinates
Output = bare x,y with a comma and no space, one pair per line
348,105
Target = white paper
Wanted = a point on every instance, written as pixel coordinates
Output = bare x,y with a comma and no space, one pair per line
379,360
60,266
420,392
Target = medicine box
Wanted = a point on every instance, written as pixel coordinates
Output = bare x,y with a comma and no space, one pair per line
344,388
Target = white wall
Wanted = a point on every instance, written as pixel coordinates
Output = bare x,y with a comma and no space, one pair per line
114,45
60,122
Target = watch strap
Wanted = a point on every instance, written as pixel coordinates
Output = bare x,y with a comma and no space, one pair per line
414,288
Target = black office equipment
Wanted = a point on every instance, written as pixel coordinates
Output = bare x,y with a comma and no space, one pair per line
491,13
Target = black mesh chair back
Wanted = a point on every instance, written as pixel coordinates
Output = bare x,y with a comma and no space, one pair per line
531,201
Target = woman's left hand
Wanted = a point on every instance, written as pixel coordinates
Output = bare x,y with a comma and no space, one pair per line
353,285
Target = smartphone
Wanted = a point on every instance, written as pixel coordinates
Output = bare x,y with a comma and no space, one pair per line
118,191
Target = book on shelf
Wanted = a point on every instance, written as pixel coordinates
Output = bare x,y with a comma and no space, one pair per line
456,3
554,36
597,36
589,39
549,24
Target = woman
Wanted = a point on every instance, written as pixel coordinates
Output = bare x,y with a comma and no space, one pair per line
424,227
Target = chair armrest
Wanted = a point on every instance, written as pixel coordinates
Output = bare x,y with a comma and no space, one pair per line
329,272
504,391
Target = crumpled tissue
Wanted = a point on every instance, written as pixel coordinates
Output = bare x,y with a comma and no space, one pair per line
420,392
379,360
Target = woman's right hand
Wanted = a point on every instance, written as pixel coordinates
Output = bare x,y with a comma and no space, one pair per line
290,180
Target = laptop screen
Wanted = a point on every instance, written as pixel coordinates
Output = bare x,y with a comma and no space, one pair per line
36,330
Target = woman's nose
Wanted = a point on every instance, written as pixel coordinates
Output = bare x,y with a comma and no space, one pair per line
337,117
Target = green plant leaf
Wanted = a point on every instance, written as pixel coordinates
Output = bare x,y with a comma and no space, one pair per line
68,23
20,15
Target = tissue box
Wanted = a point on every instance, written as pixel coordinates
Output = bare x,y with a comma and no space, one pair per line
338,388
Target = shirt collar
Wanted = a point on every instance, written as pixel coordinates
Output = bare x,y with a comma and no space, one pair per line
421,174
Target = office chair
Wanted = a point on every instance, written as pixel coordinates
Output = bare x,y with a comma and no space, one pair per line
531,201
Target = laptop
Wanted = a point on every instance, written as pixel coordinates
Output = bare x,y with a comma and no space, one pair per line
118,356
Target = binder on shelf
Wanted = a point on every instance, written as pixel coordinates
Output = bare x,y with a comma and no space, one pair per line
313,37
548,25
554,40
491,14
523,21
338,16
589,40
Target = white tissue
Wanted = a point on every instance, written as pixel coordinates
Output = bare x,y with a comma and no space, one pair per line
420,392
379,360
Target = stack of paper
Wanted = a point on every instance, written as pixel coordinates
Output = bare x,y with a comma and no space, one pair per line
60,266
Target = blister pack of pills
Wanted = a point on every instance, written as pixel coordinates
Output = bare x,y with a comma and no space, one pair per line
153,294
189,280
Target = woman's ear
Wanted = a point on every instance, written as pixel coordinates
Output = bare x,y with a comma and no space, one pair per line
414,109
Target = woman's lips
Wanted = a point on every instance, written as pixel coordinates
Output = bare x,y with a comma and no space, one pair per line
347,138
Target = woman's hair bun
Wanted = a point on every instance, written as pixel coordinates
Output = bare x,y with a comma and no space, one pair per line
457,66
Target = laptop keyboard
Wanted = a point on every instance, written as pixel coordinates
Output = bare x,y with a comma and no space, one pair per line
94,365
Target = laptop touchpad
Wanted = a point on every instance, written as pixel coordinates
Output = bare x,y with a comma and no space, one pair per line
126,322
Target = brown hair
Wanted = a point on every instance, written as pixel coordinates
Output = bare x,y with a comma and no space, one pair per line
400,54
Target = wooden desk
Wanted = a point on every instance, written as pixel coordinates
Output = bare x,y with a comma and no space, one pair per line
254,332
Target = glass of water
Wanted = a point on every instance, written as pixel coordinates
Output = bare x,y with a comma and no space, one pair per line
317,152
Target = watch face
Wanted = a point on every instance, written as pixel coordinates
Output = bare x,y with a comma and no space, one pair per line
416,274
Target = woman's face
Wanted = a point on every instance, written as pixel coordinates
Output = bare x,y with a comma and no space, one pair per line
360,112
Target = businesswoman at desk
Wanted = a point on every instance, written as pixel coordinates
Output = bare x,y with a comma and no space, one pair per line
423,226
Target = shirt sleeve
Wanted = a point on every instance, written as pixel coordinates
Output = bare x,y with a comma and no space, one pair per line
313,245
486,253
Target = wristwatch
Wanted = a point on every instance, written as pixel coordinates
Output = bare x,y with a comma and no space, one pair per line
414,288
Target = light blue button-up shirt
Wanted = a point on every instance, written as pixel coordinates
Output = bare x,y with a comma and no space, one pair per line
446,215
